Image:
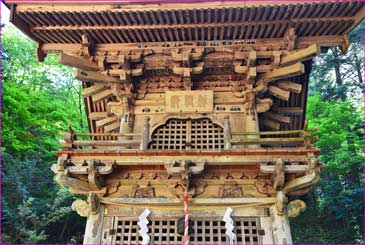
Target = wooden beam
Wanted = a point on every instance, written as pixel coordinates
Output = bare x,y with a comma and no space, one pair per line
251,75
92,90
240,69
78,62
290,169
289,110
182,71
270,141
301,55
284,72
290,36
106,121
270,124
100,49
359,16
264,68
93,76
277,117
128,143
111,127
98,115
278,92
292,87
251,58
20,24
102,95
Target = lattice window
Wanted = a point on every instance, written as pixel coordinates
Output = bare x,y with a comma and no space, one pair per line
191,134
210,231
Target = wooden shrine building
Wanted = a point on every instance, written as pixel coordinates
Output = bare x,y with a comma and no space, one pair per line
206,99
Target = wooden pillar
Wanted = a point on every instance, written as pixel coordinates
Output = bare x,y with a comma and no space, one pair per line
227,133
266,225
93,229
145,134
126,126
280,227
251,119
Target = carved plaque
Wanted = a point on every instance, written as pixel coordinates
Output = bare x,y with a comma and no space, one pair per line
189,101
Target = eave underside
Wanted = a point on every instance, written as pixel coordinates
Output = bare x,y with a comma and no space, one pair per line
132,23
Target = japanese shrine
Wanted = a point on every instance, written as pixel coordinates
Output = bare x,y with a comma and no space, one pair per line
196,113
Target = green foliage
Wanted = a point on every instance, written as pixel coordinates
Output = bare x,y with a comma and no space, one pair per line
39,99
337,200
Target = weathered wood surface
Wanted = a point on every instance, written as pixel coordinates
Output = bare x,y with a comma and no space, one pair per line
93,229
203,25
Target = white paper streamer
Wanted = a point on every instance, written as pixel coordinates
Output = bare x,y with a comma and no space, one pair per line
142,223
229,225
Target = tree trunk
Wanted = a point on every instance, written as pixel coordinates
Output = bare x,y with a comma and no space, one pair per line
358,69
337,66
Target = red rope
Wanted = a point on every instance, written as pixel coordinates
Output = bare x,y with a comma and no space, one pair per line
186,214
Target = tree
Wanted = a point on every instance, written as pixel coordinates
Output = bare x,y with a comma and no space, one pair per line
338,77
39,100
337,200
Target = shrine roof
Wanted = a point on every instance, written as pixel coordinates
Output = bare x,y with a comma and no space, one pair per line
163,21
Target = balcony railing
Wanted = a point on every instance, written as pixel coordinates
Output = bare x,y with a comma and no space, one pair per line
271,139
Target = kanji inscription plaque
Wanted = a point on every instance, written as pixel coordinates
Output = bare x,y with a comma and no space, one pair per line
189,101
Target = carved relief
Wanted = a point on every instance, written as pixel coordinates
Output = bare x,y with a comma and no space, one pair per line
264,186
230,189
279,174
81,207
144,192
295,208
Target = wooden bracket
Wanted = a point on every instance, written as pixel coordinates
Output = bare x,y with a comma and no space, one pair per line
312,164
295,208
280,203
345,44
74,184
102,63
39,52
78,62
81,207
94,203
290,38
307,135
93,76
185,168
88,46
279,174
93,175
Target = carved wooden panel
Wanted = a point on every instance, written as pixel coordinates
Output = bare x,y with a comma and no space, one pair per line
191,134
204,231
189,101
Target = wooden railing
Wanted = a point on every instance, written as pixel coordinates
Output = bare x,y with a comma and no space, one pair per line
296,138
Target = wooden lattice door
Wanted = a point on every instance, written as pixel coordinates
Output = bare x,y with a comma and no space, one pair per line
123,230
188,134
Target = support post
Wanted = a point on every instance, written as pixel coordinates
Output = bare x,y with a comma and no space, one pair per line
280,227
126,126
94,225
227,133
145,134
